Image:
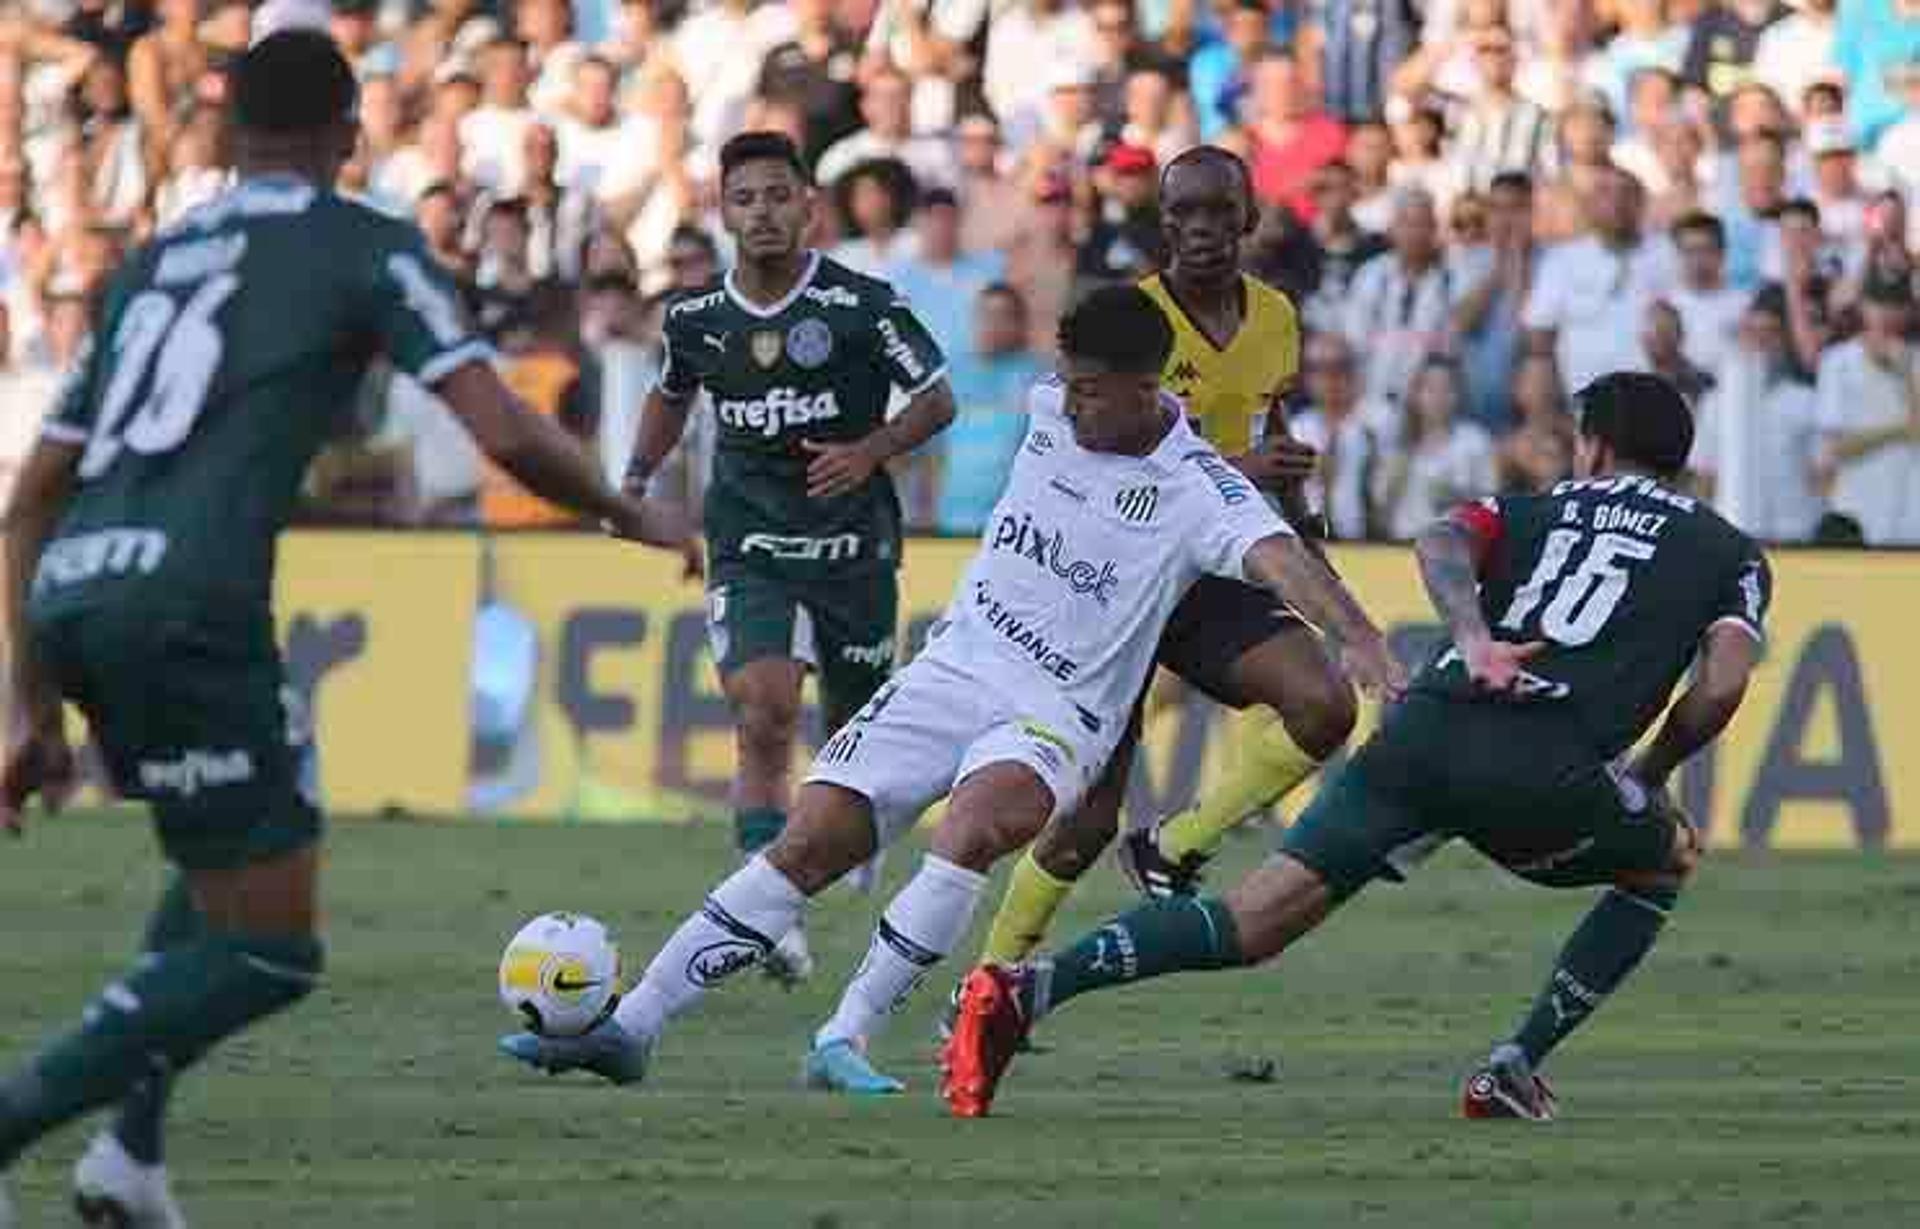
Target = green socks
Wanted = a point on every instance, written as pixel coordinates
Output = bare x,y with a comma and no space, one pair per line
142,1118
755,828
1164,937
1609,943
160,1019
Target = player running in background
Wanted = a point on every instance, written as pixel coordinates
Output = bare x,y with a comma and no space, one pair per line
1573,615
800,355
1113,508
1236,349
140,559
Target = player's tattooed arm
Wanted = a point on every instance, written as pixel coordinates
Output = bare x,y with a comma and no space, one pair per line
1287,565
838,469
1726,661
1449,554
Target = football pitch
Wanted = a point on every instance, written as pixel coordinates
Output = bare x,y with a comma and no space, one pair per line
1764,1069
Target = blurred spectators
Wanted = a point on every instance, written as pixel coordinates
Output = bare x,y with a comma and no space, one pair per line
1494,200
990,374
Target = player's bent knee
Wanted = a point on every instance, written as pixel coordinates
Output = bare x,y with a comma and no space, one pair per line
830,832
993,812
1319,710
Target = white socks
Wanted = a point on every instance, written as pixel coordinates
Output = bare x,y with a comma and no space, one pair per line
736,927
920,926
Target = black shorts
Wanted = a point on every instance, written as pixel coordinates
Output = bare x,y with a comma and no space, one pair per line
1216,622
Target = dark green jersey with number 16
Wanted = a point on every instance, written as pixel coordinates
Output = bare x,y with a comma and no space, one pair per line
1620,578
227,353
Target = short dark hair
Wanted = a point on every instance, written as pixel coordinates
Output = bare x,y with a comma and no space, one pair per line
1512,181
694,233
1642,417
943,197
761,147
1119,327
1699,222
293,82
1194,154
1801,206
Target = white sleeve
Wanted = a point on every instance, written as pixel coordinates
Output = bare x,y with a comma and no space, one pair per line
1832,412
1706,435
1229,517
1544,308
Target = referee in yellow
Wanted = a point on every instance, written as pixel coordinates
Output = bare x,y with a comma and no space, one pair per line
1236,350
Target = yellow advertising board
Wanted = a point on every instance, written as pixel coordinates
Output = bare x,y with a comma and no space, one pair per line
563,677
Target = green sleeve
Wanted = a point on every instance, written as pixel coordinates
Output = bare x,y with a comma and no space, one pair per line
416,310
908,352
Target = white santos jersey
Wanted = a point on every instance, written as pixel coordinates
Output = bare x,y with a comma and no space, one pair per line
1087,554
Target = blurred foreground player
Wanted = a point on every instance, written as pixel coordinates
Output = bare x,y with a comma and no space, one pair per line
1574,614
140,553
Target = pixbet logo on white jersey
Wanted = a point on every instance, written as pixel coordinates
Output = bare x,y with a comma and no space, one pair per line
1021,534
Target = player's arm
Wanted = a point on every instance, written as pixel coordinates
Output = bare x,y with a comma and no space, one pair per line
911,359
541,456
1726,662
38,760
413,308
1452,554
663,418
837,469
1284,563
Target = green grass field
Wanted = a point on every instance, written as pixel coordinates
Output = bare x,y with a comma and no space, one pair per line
1765,1069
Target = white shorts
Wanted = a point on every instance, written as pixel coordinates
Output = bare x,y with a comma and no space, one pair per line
934,724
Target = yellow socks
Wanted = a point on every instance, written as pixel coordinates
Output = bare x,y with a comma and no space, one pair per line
1033,897
1270,765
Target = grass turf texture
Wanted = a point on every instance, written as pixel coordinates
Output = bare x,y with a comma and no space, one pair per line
1764,1070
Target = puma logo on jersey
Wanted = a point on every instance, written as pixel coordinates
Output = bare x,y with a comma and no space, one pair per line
779,409
715,340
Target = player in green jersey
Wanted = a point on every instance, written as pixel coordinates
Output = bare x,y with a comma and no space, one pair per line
140,557
1574,615
800,356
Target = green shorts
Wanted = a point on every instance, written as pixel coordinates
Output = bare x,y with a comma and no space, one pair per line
194,720
1515,782
842,627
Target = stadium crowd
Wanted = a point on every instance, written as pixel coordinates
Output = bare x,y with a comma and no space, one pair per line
1476,204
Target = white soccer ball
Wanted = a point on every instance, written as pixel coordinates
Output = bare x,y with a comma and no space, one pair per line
561,974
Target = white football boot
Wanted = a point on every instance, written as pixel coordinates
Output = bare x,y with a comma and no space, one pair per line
112,1189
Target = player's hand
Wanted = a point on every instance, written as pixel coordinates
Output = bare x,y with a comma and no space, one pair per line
1497,665
1374,669
838,469
39,761
653,522
1280,460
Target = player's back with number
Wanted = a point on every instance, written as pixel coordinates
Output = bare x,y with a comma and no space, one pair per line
228,350
1619,578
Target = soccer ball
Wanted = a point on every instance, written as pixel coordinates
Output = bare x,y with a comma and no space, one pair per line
561,974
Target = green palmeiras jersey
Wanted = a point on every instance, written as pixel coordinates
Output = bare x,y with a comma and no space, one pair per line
819,365
227,352
1621,578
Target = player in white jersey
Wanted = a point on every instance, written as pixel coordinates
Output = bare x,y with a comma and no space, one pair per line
1114,507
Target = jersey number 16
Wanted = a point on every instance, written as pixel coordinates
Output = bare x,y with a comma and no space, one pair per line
1583,601
180,345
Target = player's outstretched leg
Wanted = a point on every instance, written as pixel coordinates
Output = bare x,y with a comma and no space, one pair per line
1046,873
765,697
123,1171
256,956
739,924
1275,905
1305,712
1603,951
993,811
